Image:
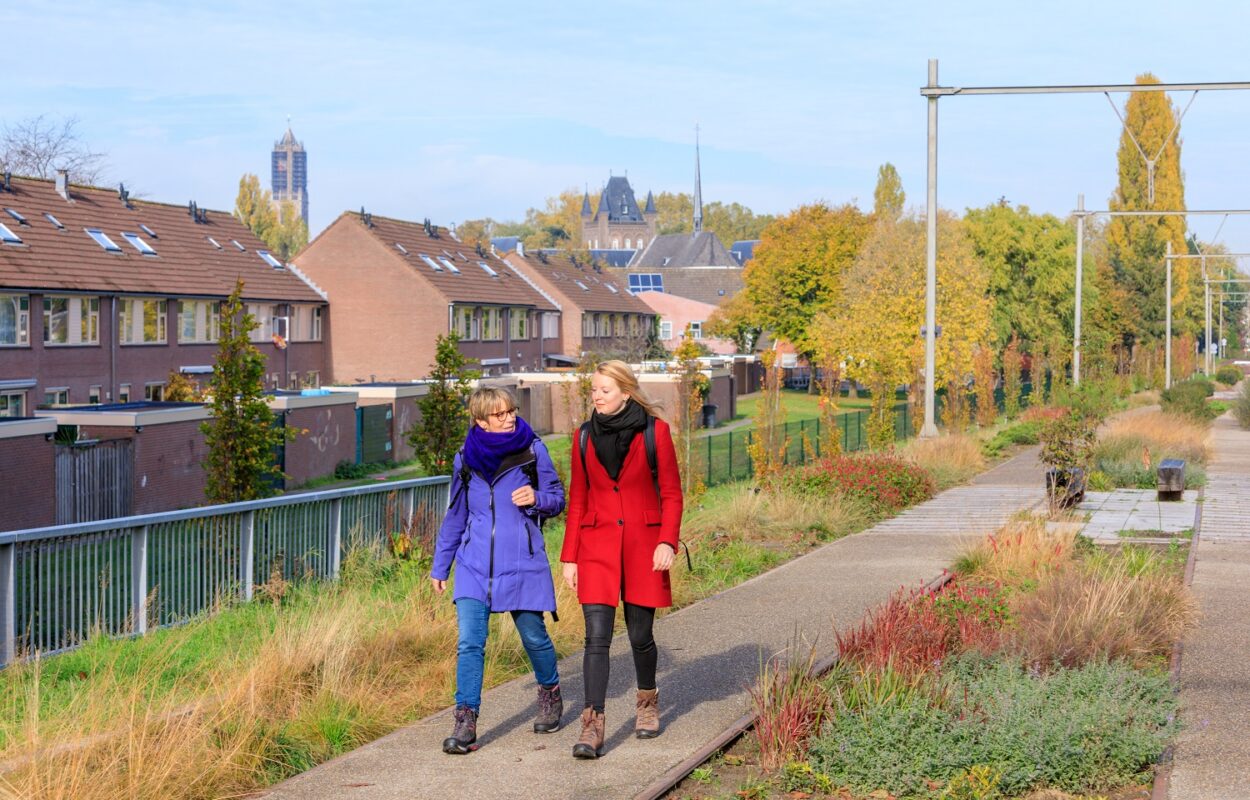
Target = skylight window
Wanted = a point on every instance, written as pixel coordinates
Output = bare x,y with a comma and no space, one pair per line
140,245
213,242
611,288
148,231
268,258
7,236
55,221
17,216
102,239
450,266
401,248
489,271
235,242
585,288
432,263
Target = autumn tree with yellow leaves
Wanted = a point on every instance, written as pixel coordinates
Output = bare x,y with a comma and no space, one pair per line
875,332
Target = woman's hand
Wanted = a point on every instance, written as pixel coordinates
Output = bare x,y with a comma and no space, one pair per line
524,497
439,586
662,559
570,576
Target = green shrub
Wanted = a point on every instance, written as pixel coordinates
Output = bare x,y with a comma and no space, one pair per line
1081,730
1189,398
885,483
1228,375
1020,433
1241,406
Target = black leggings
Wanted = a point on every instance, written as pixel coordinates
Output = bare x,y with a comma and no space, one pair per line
599,621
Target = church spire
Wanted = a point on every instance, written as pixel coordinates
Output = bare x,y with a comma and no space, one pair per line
698,186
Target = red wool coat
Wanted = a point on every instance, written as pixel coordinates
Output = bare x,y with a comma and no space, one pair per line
612,528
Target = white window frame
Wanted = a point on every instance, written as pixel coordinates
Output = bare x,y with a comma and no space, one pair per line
59,396
666,330
468,327
129,321
20,304
13,404
123,393
94,394
696,330
518,322
550,325
136,241
492,324
154,392
205,319
82,320
588,325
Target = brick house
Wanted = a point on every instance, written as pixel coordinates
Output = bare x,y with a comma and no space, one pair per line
675,313
103,296
396,285
618,223
597,314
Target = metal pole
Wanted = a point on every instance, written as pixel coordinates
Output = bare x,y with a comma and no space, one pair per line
247,555
1167,369
929,429
139,579
1080,259
1220,340
1206,323
8,603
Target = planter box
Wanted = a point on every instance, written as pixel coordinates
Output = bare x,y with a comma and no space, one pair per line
1066,487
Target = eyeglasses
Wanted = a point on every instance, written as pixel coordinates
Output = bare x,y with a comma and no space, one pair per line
500,416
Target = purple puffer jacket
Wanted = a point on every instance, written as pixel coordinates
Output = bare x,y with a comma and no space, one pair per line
498,549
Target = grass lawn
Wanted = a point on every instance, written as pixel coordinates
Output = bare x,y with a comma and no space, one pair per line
798,405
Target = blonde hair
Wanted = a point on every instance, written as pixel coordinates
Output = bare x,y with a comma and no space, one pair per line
627,381
487,400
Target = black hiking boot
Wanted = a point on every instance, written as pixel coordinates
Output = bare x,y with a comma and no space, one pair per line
464,734
550,709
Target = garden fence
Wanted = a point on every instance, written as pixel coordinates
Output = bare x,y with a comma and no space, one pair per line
120,577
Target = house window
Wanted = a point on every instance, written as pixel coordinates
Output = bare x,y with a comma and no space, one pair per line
14,319
617,323
616,244
696,330
551,325
313,330
519,318
627,246
293,381
646,282
12,404
588,325
199,321
123,393
56,396
467,324
312,379
93,395
641,242
71,320
666,330
264,316
492,328
635,325
154,392
143,321
601,328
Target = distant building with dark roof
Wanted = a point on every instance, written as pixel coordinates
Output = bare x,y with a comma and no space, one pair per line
743,250
619,223
671,250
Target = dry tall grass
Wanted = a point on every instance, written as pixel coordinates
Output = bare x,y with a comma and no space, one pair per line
1078,616
951,459
1021,553
351,667
1156,433
774,515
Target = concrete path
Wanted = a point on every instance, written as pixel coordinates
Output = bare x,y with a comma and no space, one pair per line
710,653
1212,757
1129,512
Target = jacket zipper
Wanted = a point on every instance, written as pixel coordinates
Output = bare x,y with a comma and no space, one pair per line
490,579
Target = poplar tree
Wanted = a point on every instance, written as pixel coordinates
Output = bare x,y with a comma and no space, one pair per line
1136,245
888,197
253,206
241,436
444,411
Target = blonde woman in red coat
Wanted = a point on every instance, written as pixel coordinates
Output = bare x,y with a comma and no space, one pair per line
620,538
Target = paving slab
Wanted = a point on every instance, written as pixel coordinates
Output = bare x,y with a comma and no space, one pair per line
1118,514
1212,758
710,653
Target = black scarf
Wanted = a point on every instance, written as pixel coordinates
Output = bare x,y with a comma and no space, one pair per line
613,435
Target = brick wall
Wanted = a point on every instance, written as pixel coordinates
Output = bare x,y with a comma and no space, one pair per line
27,482
169,472
330,438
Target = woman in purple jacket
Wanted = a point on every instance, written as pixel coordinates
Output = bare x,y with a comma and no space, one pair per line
503,486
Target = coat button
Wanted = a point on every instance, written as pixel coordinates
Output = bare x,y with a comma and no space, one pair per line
616,488
620,522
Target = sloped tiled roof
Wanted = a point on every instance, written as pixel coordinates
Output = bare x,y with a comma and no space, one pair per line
185,264
472,284
578,284
712,285
613,258
617,201
701,249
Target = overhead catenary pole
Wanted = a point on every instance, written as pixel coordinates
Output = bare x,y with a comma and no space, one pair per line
929,429
1080,282
1206,320
1167,358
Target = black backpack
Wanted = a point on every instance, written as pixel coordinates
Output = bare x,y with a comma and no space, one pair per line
648,441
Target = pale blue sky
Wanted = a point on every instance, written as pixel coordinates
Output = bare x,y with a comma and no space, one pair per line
455,110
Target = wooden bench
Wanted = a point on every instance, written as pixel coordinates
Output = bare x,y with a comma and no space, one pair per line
1171,479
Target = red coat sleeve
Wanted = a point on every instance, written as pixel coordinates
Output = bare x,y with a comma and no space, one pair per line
669,478
578,490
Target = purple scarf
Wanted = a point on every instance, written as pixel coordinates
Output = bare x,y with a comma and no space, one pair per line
484,451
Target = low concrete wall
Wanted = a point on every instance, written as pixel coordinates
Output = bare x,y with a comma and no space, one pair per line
27,474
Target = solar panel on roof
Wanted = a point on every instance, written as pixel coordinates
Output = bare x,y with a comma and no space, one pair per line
17,216
102,239
148,231
7,236
55,221
140,245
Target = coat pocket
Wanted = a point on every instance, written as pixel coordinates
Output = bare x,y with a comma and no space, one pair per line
651,517
588,520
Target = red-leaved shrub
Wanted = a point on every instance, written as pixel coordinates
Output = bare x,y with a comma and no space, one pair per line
885,483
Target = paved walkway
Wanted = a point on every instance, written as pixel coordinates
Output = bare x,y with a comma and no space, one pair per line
1136,512
1213,754
710,653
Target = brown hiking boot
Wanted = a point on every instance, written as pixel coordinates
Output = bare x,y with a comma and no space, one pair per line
647,725
590,743
550,709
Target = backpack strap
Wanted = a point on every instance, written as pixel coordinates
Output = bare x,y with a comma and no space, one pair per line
530,469
583,435
464,476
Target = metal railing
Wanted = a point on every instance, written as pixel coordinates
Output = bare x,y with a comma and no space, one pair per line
118,577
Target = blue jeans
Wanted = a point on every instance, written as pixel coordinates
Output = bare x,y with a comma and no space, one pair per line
474,619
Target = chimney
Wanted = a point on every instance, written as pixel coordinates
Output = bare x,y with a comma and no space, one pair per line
520,248
62,183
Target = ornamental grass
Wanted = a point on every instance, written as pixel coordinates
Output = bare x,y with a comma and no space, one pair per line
951,459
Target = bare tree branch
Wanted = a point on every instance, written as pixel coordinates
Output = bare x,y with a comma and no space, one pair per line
38,146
